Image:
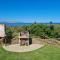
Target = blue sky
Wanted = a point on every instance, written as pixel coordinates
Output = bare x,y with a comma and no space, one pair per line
30,11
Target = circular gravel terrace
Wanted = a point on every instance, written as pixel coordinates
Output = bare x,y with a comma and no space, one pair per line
18,48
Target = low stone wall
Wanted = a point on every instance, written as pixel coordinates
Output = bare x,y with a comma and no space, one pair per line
1,41
52,41
14,41
48,41
39,41
36,41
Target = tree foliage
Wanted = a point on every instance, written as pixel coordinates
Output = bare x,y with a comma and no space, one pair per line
41,30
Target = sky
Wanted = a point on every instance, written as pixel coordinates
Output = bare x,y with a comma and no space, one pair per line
29,11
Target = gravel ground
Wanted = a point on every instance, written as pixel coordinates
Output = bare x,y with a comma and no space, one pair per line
18,48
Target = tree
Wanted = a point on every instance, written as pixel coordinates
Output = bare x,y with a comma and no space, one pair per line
51,25
8,36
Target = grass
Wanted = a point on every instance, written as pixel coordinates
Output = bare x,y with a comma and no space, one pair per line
46,53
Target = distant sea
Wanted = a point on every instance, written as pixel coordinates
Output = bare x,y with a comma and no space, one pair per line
16,24
22,24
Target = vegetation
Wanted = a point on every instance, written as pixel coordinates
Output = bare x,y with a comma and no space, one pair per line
42,30
45,53
8,36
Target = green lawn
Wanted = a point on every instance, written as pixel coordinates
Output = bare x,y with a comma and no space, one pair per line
45,53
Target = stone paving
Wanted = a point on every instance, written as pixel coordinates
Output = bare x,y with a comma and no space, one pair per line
18,48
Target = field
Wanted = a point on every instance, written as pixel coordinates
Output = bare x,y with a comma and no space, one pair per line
47,52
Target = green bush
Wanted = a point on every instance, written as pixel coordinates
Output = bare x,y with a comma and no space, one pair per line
41,30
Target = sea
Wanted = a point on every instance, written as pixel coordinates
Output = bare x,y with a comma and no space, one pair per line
16,24
22,24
